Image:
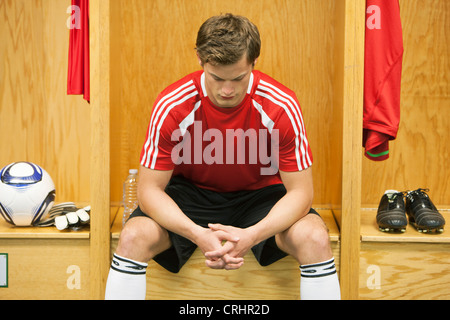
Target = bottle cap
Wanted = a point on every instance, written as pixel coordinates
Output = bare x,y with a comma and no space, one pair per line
133,171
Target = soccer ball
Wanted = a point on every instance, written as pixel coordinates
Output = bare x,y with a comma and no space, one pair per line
27,193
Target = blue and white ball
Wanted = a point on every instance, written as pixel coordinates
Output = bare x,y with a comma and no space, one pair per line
27,193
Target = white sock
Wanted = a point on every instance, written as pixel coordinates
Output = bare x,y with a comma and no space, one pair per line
319,281
126,279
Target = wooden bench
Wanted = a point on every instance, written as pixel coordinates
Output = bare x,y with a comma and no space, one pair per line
195,280
408,265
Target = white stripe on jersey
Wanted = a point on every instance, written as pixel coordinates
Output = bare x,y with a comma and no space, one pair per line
189,120
290,106
266,121
202,83
250,84
165,104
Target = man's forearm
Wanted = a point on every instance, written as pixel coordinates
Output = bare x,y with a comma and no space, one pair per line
288,210
160,207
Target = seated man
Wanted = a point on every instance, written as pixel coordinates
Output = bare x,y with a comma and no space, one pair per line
226,166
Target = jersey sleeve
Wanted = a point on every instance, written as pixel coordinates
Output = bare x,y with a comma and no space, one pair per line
157,149
163,133
294,151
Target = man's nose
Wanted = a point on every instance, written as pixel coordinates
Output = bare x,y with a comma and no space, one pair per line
227,90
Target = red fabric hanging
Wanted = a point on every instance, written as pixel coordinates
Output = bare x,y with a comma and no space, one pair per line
382,77
78,70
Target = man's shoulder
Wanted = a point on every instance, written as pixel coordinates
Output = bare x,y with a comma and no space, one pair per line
265,82
273,96
189,84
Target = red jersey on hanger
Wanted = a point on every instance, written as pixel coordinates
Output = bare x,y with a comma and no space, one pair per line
382,76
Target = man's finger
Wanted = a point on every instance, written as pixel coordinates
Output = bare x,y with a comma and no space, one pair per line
233,266
218,226
215,264
223,235
229,260
227,263
219,252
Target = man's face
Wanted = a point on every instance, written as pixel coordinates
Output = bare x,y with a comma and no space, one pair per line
226,85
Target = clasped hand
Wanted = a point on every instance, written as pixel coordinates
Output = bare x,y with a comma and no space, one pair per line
225,246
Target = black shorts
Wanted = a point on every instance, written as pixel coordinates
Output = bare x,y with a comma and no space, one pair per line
240,209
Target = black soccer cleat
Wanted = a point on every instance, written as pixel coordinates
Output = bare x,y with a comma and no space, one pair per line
391,216
422,213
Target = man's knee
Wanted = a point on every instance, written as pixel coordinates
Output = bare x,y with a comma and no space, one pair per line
141,239
130,237
317,236
307,240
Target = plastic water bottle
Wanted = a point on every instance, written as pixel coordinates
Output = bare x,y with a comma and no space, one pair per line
130,201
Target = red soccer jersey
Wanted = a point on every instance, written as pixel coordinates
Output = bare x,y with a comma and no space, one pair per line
382,77
227,149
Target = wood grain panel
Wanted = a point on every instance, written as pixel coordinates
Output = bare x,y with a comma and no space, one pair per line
38,121
420,155
38,269
153,45
407,266
100,153
405,271
352,80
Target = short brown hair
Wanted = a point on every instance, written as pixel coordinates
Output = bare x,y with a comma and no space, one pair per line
225,38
